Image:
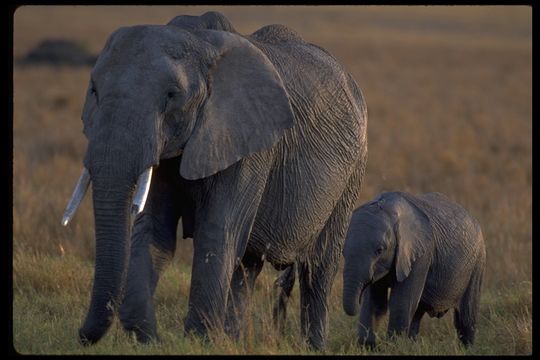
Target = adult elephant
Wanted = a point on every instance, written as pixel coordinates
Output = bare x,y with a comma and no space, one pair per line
258,143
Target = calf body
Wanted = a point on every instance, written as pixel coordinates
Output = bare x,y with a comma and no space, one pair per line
427,250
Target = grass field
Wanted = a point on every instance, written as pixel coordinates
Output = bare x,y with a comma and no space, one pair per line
449,95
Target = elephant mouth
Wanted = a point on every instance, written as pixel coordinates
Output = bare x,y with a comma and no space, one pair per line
139,198
362,288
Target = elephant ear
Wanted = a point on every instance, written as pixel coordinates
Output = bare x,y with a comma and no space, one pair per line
247,110
413,235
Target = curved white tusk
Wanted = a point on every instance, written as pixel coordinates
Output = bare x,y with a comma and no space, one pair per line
141,193
76,197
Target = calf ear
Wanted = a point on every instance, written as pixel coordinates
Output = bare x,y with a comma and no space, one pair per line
247,111
413,237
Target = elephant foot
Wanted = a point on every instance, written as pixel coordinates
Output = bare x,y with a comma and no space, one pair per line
317,346
144,336
196,328
92,331
367,339
87,338
316,343
369,343
466,338
232,329
144,327
144,333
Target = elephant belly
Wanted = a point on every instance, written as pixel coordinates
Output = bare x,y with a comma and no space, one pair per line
441,294
437,306
283,238
437,312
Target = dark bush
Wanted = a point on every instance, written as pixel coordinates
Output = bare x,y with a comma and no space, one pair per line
59,52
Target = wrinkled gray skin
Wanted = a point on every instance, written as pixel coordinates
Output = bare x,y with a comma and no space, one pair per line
428,250
258,145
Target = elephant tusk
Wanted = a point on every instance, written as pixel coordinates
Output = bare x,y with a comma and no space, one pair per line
76,197
143,186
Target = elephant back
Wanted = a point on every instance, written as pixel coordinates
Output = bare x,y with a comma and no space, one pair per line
455,231
275,33
211,20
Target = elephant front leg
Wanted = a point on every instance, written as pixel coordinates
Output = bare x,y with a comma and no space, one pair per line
211,276
146,262
405,298
226,210
152,246
415,324
215,252
374,305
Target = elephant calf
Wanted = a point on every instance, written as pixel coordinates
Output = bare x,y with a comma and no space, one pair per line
428,250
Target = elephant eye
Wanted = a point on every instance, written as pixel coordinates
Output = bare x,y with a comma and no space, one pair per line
170,95
93,90
92,86
379,251
172,92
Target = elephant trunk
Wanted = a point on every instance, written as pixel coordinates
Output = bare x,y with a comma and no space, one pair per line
112,206
351,298
121,153
353,286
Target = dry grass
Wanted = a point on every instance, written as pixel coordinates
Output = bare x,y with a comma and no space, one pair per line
449,93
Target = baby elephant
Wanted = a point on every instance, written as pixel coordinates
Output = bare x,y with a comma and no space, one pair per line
428,250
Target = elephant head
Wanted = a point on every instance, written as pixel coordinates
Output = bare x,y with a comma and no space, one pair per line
388,233
159,92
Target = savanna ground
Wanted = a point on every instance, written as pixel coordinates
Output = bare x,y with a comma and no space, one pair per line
449,94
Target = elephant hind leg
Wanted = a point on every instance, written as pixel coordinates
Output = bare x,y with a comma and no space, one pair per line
315,286
242,283
465,316
316,273
285,283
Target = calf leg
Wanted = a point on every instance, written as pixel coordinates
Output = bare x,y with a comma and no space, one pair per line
415,324
373,307
405,297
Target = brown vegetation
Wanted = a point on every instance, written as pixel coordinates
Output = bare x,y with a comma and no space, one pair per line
448,91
